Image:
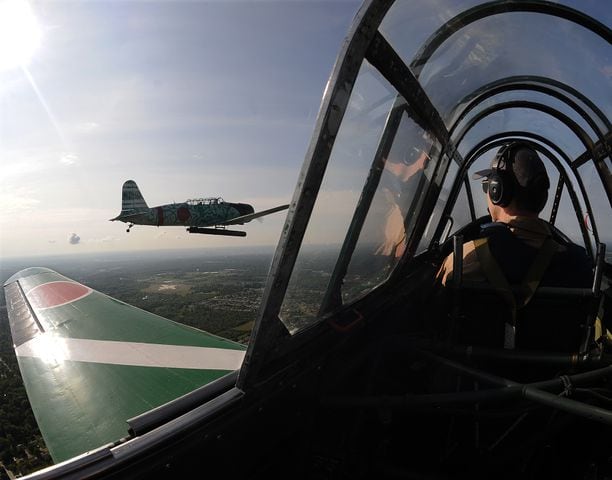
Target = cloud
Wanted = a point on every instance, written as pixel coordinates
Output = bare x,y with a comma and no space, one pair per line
106,239
87,127
17,201
74,239
68,159
23,165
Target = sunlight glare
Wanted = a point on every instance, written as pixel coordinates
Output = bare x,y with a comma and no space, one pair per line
20,34
51,349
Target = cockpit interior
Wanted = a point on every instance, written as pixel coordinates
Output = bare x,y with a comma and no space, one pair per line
348,373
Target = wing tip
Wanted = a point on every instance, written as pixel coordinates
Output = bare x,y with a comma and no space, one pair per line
27,272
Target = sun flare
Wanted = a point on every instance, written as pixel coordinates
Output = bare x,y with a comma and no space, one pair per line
20,34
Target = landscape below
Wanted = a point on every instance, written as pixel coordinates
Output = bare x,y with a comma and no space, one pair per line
214,290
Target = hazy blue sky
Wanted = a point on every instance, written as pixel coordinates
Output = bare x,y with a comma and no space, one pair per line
211,98
189,99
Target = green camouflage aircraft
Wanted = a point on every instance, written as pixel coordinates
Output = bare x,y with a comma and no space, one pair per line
196,214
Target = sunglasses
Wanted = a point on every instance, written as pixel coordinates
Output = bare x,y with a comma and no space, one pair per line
485,186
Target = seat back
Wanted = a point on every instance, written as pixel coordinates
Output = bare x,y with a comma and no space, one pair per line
554,319
553,324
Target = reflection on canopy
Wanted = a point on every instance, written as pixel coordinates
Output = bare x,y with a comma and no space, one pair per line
469,76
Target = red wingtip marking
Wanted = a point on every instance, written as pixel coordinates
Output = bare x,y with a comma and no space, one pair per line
54,294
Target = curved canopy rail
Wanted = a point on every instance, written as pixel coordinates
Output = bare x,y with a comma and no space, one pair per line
205,201
421,92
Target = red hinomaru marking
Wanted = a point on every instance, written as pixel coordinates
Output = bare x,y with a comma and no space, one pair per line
54,294
183,214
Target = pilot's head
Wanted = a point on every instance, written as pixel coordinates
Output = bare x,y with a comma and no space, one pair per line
517,182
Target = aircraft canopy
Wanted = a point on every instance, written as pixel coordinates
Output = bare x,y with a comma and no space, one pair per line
422,95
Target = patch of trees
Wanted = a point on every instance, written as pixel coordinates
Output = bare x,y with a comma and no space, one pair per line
22,449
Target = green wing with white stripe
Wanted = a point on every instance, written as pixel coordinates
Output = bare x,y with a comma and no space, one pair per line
90,362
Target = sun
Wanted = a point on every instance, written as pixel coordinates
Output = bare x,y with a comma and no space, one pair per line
20,34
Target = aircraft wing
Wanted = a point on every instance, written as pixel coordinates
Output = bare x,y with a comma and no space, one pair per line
252,216
90,362
127,216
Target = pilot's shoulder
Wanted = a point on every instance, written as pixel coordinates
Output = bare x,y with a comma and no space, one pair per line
576,256
491,228
569,249
470,263
572,260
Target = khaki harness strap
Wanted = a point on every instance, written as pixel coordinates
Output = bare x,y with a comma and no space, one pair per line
498,280
536,271
527,288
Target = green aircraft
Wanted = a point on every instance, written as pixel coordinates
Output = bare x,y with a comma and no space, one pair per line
343,376
79,349
195,214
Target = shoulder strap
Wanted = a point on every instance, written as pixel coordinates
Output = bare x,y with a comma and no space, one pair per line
536,272
491,268
528,287
496,277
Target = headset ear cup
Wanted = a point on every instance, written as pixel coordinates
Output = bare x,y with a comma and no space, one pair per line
496,189
500,189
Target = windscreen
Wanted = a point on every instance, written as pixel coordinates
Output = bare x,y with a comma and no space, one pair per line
539,73
380,162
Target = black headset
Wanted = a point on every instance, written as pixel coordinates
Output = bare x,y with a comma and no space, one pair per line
502,183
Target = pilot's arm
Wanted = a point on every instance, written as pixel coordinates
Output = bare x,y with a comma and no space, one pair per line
471,266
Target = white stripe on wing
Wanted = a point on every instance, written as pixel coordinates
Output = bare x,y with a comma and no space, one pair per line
53,349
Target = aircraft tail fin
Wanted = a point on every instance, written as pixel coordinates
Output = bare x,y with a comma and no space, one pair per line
132,201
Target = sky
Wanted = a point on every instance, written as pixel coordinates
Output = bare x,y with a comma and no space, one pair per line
201,99
189,99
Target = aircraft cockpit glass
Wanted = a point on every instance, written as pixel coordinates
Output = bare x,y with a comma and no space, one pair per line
205,201
489,44
358,230
384,234
349,165
436,217
584,222
492,73
599,203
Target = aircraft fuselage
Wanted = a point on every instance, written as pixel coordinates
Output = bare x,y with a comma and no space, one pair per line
190,214
196,214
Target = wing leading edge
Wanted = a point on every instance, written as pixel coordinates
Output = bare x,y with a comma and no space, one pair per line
90,362
252,216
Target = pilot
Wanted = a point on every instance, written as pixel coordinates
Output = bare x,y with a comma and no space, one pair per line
517,249
405,174
403,170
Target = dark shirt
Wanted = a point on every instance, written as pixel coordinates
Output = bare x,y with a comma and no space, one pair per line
515,245
550,324
569,267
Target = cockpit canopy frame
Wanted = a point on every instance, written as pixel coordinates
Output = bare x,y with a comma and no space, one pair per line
205,201
507,105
